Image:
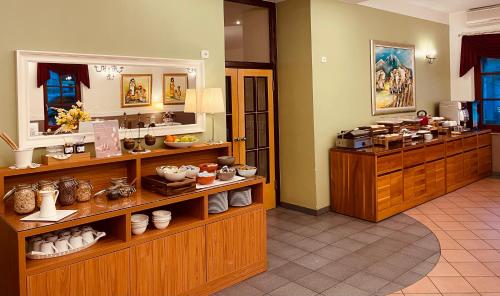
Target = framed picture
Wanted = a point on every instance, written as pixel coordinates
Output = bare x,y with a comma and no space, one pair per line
174,88
136,90
393,77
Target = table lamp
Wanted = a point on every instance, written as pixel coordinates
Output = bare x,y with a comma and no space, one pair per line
212,102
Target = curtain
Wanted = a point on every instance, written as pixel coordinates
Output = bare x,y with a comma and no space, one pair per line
476,46
80,71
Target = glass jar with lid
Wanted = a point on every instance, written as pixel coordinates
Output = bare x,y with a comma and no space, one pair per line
44,185
83,190
24,199
67,191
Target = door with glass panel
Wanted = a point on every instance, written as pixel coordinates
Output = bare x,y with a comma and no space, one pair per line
250,123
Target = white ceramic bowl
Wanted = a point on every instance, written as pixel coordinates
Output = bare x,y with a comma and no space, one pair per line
161,213
191,170
160,171
139,230
180,144
248,172
139,218
161,225
174,176
162,220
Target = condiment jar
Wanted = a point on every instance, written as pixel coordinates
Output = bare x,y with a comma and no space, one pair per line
44,185
24,199
67,191
83,190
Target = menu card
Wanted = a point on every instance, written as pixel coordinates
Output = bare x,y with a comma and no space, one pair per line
107,139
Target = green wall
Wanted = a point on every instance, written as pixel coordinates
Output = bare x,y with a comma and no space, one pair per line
296,119
341,87
150,28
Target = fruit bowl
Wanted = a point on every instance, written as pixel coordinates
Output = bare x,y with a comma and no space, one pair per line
180,144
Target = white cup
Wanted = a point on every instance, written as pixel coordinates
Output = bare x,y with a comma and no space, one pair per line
52,238
48,248
23,157
62,245
76,241
37,245
428,137
88,237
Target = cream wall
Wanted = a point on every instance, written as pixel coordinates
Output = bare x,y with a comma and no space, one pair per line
296,119
152,28
341,87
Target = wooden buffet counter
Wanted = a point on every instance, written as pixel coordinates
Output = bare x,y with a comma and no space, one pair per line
197,254
376,183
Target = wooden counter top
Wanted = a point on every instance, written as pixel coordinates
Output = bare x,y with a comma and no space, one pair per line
379,150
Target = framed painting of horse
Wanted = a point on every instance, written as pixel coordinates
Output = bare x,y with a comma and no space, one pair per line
393,77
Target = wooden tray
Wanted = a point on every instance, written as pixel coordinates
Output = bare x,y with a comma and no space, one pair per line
387,139
40,255
74,158
159,185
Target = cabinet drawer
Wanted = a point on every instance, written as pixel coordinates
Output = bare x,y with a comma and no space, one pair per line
453,147
389,191
469,143
389,163
434,152
413,157
484,140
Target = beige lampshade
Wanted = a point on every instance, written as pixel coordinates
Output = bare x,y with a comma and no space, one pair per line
212,101
191,101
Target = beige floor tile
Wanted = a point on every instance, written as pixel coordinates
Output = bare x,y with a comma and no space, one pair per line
474,244
476,225
461,234
472,269
485,284
445,225
450,244
494,267
440,217
458,256
443,268
486,255
423,286
448,284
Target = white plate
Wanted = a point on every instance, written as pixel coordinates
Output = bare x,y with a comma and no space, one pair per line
61,214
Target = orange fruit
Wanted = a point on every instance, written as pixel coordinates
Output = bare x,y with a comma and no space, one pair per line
170,139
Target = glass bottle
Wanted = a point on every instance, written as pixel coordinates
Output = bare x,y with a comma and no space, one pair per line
24,199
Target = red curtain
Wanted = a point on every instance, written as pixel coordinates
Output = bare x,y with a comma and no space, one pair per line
476,46
81,72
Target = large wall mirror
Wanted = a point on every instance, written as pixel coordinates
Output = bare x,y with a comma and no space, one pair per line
128,89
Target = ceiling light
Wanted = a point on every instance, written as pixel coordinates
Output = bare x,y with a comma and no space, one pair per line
238,22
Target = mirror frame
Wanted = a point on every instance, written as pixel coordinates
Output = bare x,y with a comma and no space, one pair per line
23,58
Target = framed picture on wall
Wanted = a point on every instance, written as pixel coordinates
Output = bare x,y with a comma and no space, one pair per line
174,88
393,77
136,90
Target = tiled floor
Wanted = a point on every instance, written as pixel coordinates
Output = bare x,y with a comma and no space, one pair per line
338,255
305,254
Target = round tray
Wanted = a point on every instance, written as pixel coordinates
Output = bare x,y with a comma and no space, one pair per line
38,255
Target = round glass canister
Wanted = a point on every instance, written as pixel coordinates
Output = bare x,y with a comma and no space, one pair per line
24,199
44,185
67,191
83,191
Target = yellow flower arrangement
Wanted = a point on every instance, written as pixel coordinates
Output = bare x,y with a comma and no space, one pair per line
68,120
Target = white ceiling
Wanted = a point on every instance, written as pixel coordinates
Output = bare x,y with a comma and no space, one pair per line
449,5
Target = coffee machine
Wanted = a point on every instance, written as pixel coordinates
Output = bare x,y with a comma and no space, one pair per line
455,111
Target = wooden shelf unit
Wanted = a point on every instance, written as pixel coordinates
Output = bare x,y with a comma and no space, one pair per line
376,183
178,260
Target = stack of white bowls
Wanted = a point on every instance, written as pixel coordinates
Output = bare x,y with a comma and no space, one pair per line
161,218
139,223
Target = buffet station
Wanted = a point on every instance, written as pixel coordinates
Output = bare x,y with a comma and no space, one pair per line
380,170
111,192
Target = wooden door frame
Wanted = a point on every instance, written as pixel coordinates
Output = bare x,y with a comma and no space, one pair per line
271,66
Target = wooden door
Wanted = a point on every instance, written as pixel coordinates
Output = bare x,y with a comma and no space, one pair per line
63,281
435,178
235,243
454,172
173,265
484,161
250,123
389,191
470,166
414,184
108,275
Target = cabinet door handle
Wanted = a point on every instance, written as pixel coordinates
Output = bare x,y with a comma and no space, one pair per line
244,139
236,139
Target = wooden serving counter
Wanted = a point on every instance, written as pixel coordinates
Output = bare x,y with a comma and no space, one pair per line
376,183
197,254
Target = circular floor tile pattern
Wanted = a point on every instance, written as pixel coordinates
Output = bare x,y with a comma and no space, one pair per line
333,254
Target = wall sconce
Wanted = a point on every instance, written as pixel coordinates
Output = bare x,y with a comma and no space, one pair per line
110,71
430,57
